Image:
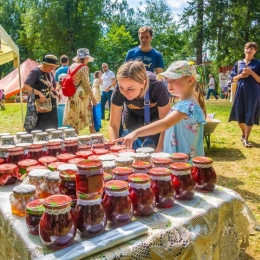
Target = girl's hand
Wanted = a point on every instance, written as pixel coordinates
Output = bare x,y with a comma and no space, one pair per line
243,75
247,70
128,139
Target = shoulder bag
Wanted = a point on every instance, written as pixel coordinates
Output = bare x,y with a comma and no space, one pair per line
31,116
234,85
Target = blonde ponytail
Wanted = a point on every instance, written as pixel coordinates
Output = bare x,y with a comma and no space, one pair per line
200,97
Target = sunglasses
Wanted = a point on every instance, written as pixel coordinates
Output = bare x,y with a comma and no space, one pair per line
104,67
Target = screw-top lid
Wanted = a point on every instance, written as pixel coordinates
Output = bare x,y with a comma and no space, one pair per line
62,128
160,171
116,185
139,178
69,130
49,130
56,132
35,146
3,134
141,164
75,160
89,164
52,176
54,142
24,189
84,154
38,173
42,134
68,171
20,133
93,136
202,160
57,202
142,156
35,207
7,137
98,146
26,136
36,132
24,145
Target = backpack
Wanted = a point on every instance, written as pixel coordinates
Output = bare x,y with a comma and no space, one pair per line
68,88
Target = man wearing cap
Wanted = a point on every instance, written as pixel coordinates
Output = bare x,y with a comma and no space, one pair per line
64,61
108,81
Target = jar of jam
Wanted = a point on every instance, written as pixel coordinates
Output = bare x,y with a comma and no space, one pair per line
56,134
161,162
117,148
3,134
71,144
35,151
65,157
124,161
98,146
162,187
24,164
183,182
8,140
25,147
90,215
15,155
62,128
204,174
108,144
160,155
107,157
22,194
35,132
18,136
36,167
4,151
117,203
84,147
49,130
149,150
85,140
141,167
100,151
8,174
2,161
46,160
97,138
84,154
57,225
141,194
122,173
36,178
70,132
55,147
89,178
50,186
94,157
28,138
108,166
108,177
41,137
126,154
180,157
34,211
54,165
75,160
143,157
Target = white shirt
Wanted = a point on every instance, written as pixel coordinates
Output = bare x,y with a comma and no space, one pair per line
211,83
107,78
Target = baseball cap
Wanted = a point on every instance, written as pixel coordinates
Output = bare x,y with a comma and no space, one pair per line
179,69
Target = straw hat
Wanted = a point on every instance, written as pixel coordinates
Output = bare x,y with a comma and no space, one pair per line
83,53
50,60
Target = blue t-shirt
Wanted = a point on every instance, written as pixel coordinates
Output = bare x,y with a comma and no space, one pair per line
59,71
152,59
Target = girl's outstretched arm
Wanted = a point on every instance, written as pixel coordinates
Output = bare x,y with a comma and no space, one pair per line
153,128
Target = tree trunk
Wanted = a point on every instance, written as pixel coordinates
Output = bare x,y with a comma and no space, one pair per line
199,47
248,21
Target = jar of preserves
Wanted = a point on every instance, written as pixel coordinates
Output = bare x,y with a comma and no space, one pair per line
141,167
50,186
49,130
84,147
117,203
18,136
8,174
55,147
46,160
22,194
122,173
124,161
100,151
126,154
71,144
90,215
98,146
65,157
126,151
89,178
143,157
108,166
180,157
107,157
34,211
24,164
2,161
3,134
70,132
36,167
160,155
141,194
84,154
15,155
54,166
28,138
108,177
41,137
36,178
94,157
85,140
204,174
97,138
149,150
117,148
183,182
57,225
35,132
8,140
25,147
57,134
162,187
161,162
4,151
35,151
75,160
62,128
108,144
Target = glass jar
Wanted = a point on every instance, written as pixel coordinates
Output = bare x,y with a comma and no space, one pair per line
8,174
36,167
50,186
62,128
122,173
108,177
8,140
160,155
141,194
162,162
35,132
141,167
35,151
75,160
162,187
70,132
46,160
98,146
36,178
15,155
124,161
25,147
90,215
2,161
56,134
149,150
117,203
94,157
97,138
107,157
108,166
55,147
84,147
57,225
89,178
83,154
4,151
126,154
49,130
180,157
22,194
28,138
183,182
65,157
41,137
204,174
54,165
108,144
126,151
24,164
18,136
85,140
34,213
143,157
117,148
100,151
4,134
71,144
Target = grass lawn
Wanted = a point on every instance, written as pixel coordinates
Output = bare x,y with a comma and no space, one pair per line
238,168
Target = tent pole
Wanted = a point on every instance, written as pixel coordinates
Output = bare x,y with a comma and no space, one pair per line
21,94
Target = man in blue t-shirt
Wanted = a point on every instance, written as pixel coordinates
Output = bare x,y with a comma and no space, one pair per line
145,52
64,61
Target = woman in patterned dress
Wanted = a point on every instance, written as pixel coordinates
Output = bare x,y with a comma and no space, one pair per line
78,110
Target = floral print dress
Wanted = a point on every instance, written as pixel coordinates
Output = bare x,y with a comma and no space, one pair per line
78,110
187,135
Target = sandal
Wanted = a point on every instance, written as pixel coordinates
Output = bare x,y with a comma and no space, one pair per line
247,144
242,138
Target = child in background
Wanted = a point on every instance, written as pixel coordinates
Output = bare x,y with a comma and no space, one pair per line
96,86
183,125
61,100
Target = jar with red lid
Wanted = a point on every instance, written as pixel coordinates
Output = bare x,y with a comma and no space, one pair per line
84,147
179,157
22,194
204,174
4,151
75,160
85,140
34,211
54,165
117,148
45,160
65,157
183,182
117,203
161,162
98,146
50,186
8,174
15,155
71,145
25,147
108,144
108,166
100,151
162,187
24,164
36,178
90,215
94,157
124,161
35,151
97,139
84,154
108,177
122,173
55,147
2,161
89,178
141,167
35,167
57,225
141,194
143,157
